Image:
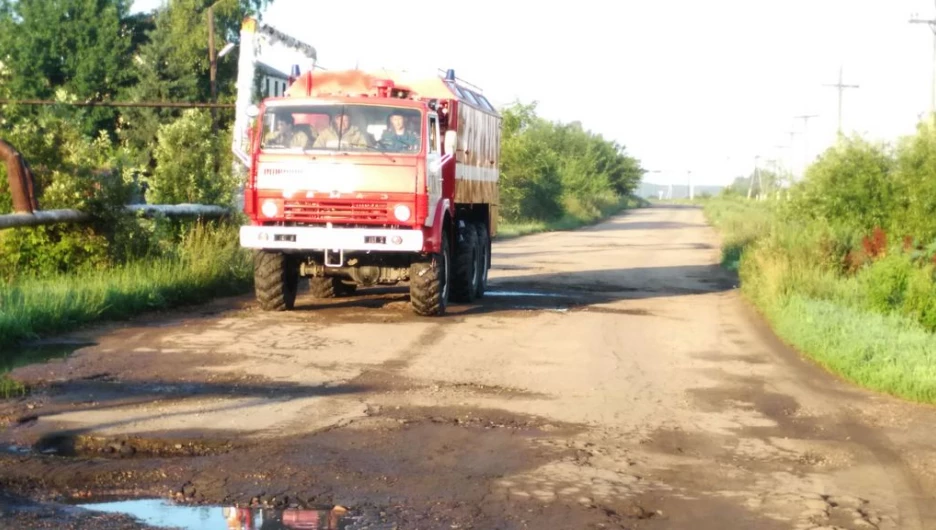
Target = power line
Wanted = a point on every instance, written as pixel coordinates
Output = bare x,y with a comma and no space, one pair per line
805,118
841,89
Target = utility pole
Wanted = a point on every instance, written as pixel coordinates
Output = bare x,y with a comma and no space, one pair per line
792,168
689,185
932,24
212,58
805,119
750,189
781,172
841,89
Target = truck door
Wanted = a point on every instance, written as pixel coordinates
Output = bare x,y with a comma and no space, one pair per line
433,164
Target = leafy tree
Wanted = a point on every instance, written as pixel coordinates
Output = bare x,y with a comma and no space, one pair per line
173,65
530,185
77,47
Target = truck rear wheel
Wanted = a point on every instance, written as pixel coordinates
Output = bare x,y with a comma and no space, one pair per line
429,282
484,258
276,280
330,287
465,269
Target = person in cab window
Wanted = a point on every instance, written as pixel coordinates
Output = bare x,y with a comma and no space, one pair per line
287,135
342,129
399,137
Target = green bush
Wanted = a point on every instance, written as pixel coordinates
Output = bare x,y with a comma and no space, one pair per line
919,301
72,172
885,282
850,184
193,164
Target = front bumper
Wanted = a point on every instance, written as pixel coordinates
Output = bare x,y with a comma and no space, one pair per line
317,238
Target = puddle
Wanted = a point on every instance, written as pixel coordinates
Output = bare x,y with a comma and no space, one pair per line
166,514
17,450
538,308
518,293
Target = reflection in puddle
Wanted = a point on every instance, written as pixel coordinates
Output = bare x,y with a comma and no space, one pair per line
162,513
17,450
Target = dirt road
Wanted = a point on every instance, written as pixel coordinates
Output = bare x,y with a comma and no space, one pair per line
612,378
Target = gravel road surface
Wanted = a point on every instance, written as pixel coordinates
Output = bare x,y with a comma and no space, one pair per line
613,377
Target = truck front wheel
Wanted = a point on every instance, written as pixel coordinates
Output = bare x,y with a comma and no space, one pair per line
276,280
429,282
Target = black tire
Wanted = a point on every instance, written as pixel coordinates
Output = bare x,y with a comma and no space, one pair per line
276,280
330,287
430,281
465,269
484,258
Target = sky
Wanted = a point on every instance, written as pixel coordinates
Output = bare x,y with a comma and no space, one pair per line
685,86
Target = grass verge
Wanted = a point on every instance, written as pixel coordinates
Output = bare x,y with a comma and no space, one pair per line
864,325
576,217
208,263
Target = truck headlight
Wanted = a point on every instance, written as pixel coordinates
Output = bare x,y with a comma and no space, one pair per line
402,212
269,208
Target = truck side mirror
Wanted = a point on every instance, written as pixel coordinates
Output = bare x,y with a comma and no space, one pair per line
252,111
449,142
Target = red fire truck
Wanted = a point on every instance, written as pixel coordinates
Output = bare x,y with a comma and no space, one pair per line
373,178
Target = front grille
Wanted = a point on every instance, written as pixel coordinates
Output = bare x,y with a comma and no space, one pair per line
336,211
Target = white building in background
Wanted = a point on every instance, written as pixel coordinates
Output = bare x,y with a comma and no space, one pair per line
273,83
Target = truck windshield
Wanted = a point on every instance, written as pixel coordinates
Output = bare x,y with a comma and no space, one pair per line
334,127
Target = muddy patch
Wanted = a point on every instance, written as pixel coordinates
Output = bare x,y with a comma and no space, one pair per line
616,311
400,464
769,413
717,356
81,445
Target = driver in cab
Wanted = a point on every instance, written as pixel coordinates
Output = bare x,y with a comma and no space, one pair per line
341,128
399,137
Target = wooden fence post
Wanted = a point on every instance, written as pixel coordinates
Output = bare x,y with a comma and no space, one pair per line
20,179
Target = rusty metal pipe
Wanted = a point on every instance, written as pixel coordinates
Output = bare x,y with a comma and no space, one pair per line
20,179
50,217
146,104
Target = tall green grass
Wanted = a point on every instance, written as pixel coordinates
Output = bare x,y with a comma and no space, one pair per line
208,263
872,321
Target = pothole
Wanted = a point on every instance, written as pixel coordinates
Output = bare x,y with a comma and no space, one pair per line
126,447
167,514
